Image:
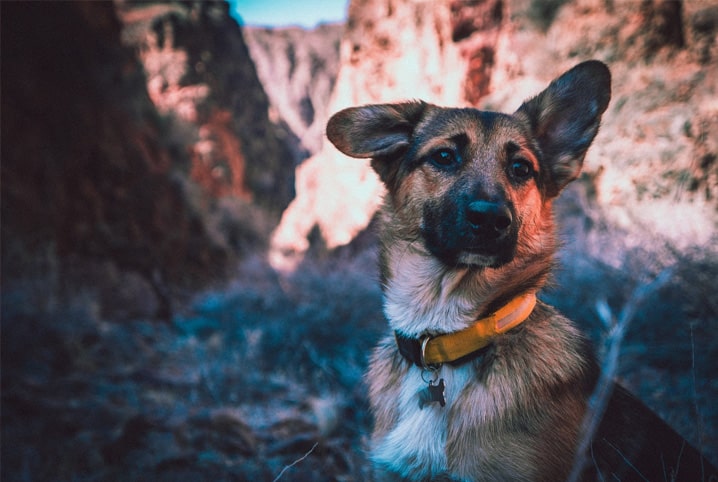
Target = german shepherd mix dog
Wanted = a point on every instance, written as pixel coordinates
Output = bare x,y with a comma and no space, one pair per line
479,381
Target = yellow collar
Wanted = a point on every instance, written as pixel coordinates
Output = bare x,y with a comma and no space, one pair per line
453,346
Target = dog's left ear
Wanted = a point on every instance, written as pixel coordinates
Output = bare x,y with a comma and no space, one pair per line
565,118
381,132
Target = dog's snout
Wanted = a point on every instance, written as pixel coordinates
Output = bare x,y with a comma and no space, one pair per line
489,218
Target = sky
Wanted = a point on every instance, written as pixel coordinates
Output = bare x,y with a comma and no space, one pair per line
281,13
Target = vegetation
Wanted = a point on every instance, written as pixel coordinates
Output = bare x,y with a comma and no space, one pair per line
263,376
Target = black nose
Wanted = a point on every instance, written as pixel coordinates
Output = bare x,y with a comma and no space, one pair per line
488,218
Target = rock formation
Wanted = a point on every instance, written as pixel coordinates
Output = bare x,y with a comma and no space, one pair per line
200,75
298,69
87,170
137,143
654,151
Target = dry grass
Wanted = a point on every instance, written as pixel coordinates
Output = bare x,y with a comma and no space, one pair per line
262,378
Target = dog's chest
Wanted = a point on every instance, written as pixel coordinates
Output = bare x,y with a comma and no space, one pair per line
415,446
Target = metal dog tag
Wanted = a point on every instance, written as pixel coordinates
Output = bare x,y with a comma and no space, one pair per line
433,394
437,392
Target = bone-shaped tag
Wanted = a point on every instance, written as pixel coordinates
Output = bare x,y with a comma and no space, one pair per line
433,394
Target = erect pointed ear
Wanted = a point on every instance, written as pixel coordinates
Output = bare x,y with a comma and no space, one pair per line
565,118
381,132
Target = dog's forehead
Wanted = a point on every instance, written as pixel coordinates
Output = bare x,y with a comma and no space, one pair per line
473,126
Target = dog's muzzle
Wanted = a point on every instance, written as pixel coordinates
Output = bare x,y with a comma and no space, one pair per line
470,232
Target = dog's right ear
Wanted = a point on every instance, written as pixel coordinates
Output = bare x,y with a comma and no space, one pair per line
381,132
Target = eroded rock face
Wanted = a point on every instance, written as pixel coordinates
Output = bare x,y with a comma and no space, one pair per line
200,75
298,69
86,168
654,155
143,142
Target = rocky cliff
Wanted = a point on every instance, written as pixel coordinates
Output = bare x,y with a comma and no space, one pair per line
200,76
297,68
139,141
650,179
654,161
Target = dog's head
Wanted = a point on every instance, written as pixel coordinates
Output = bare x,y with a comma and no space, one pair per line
474,185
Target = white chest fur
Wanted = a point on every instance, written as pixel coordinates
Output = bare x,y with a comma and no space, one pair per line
424,297
421,297
416,446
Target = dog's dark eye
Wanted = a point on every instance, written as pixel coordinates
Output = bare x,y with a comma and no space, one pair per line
443,158
521,169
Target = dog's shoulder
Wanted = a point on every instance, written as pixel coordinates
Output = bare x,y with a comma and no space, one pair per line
551,347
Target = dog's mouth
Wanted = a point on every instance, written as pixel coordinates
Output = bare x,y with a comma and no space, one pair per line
469,257
468,251
479,257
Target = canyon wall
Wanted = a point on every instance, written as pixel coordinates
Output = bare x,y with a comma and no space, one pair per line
650,180
136,138
653,162
297,68
201,77
85,166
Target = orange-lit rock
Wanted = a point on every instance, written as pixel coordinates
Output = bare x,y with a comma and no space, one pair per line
391,51
652,172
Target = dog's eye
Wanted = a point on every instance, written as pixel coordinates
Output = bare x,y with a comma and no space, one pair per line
443,158
521,169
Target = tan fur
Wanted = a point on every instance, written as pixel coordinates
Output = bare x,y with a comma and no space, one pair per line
514,413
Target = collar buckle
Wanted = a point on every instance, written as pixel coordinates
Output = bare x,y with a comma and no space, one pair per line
422,355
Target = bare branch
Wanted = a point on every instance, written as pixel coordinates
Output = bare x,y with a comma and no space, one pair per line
609,366
296,462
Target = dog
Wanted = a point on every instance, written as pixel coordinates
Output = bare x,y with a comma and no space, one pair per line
478,380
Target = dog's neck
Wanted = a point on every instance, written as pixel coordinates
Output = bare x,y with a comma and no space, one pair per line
424,296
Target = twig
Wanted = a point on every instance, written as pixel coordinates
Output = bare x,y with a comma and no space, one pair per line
598,401
296,462
628,462
699,418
